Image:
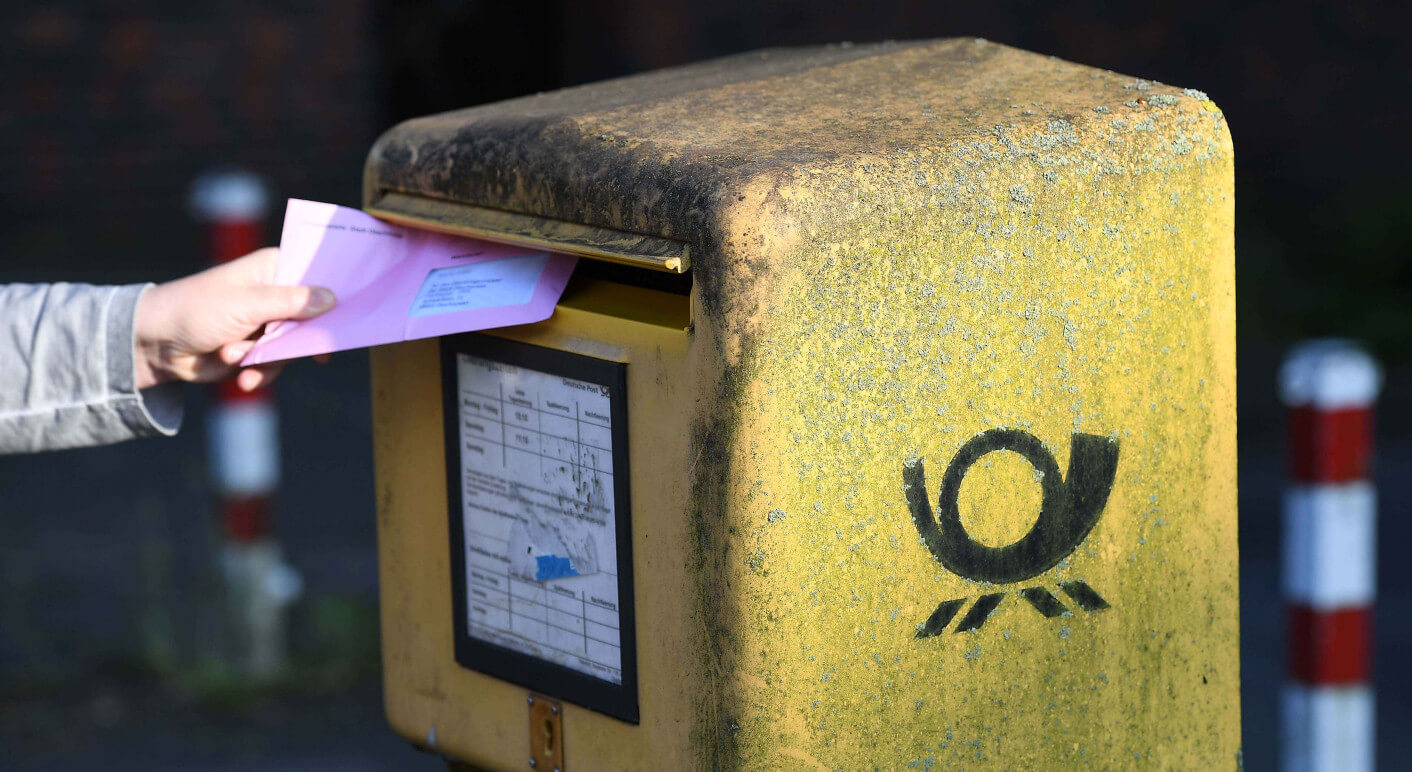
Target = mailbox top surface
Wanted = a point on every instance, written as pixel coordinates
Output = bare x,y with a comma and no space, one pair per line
652,153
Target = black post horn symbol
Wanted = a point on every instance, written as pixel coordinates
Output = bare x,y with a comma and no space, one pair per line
1070,507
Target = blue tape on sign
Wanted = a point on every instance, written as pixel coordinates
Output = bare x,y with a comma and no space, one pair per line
552,567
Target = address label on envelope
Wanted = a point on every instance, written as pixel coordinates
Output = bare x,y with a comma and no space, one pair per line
508,281
395,283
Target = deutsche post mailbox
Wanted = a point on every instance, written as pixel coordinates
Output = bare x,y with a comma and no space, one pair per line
888,422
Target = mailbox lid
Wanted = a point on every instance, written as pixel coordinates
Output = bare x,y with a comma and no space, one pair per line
561,154
669,154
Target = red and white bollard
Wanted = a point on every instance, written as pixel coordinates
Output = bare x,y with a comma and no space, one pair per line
243,452
1330,550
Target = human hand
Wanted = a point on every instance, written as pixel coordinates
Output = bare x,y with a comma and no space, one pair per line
200,327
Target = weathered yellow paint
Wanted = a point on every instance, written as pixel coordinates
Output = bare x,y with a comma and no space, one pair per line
469,716
894,249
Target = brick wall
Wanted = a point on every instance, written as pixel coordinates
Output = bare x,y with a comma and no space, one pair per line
107,111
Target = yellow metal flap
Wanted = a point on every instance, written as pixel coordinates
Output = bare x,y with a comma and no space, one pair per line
524,230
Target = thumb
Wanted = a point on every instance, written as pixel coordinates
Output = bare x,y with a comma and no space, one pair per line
273,303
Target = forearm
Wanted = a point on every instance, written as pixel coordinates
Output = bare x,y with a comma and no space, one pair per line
67,370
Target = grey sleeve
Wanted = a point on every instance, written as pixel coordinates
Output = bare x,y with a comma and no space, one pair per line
67,376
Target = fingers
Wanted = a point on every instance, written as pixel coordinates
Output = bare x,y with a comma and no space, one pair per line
262,262
258,267
231,353
260,376
272,303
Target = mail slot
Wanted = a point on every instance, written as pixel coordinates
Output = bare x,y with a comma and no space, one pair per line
888,421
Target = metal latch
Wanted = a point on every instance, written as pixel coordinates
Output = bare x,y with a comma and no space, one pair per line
546,732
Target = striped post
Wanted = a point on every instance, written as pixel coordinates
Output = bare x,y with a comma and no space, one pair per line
1330,545
243,451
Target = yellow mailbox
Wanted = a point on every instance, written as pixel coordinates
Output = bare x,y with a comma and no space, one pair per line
887,422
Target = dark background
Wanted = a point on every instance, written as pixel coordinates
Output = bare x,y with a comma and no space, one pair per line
109,109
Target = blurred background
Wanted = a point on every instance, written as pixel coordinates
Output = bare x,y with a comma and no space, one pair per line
109,110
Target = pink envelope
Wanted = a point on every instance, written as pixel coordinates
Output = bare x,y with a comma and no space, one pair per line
395,283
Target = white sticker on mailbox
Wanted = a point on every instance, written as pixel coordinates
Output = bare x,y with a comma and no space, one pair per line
540,526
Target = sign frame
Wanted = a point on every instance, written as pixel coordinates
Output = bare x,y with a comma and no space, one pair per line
617,700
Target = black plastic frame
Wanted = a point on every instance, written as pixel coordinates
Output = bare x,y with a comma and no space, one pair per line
618,701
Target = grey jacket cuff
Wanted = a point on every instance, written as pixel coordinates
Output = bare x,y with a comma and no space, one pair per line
68,369
156,410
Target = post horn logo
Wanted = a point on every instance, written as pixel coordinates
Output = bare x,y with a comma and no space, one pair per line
1069,509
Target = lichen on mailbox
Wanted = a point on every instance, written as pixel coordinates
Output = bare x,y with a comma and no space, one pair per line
1061,270
947,273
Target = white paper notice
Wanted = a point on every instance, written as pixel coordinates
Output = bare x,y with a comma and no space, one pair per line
539,515
508,281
